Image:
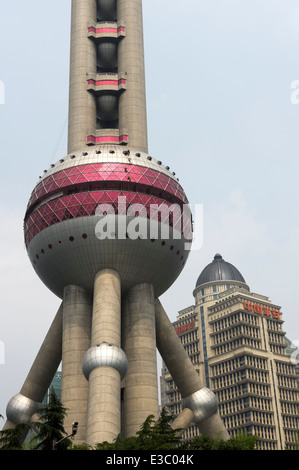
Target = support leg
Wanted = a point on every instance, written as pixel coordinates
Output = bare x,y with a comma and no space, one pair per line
22,406
139,344
77,309
183,420
201,400
105,363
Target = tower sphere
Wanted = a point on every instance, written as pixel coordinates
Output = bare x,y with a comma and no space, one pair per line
106,207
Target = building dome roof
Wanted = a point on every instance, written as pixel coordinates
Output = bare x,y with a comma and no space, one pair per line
219,270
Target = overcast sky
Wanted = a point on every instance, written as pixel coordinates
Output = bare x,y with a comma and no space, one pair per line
219,77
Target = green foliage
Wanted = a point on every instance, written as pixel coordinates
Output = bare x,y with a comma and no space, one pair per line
157,435
205,442
83,446
154,435
50,426
10,438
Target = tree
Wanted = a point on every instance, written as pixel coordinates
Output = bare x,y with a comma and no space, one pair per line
153,435
50,427
205,442
11,438
158,435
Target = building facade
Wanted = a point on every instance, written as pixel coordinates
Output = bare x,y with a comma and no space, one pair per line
236,341
55,386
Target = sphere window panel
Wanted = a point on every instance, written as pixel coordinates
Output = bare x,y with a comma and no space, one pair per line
105,172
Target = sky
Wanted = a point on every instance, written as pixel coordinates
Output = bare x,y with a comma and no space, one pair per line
223,113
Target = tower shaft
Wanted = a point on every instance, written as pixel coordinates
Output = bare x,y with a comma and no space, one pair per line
82,106
132,104
107,98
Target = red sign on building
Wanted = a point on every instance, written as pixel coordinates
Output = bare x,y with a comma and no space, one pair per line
262,310
183,328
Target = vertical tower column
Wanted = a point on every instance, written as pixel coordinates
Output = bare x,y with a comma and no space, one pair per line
105,363
132,103
82,106
139,344
77,309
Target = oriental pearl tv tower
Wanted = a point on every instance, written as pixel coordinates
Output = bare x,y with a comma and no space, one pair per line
106,231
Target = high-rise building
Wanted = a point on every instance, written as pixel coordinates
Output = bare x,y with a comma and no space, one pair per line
108,229
236,342
55,386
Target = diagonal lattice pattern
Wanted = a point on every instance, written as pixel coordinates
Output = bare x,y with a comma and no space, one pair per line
107,172
85,204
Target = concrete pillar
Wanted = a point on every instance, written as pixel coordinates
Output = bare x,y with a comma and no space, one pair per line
174,355
23,405
82,106
46,363
183,421
77,308
104,363
200,400
139,343
132,103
